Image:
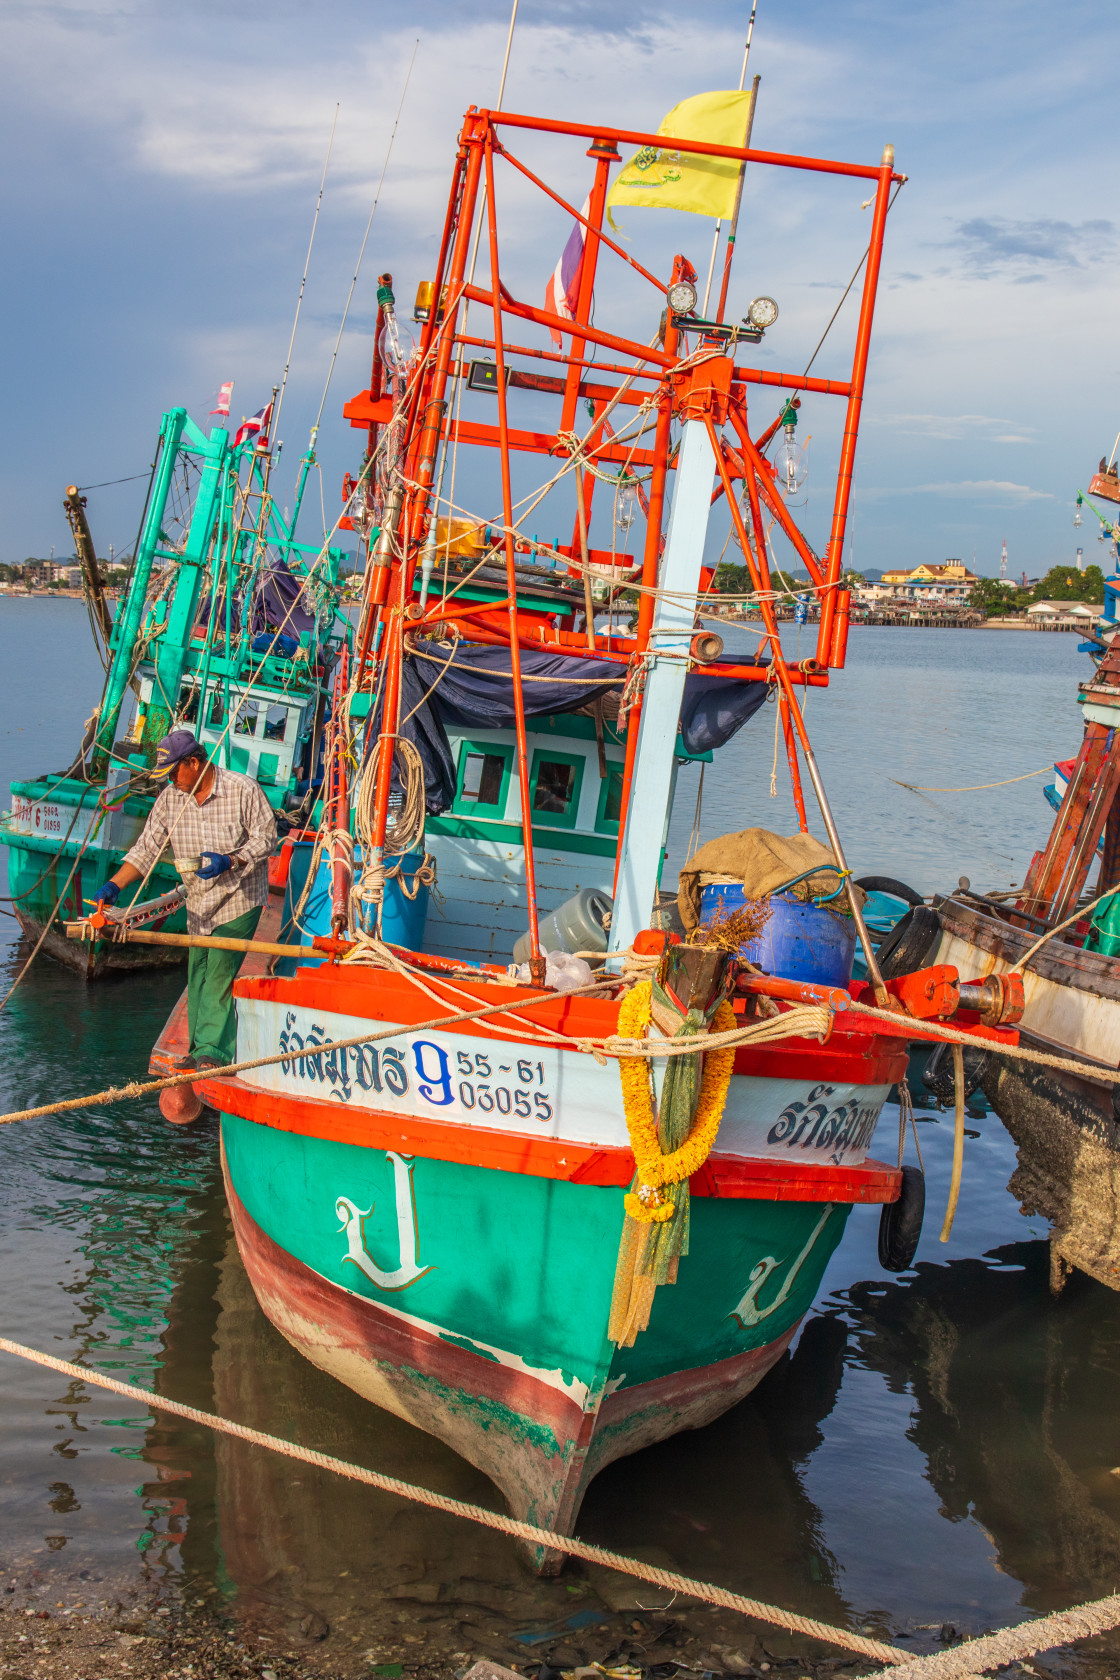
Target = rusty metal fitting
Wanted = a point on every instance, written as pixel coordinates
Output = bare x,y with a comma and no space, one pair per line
998,999
706,647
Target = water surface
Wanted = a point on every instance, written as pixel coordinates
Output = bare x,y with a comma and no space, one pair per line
943,1446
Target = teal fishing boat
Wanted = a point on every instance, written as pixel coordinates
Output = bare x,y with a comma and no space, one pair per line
510,1151
228,626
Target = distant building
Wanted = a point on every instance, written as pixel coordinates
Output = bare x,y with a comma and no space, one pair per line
952,582
1064,615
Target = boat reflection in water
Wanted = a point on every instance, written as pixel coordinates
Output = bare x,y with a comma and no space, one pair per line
1016,1408
304,1556
1013,1400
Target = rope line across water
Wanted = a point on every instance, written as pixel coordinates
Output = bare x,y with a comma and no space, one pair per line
970,1658
666,1578
801,1022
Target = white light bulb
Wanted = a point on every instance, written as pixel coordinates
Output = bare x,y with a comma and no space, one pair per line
1077,515
627,505
396,345
790,464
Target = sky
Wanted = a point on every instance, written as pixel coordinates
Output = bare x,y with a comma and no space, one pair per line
162,166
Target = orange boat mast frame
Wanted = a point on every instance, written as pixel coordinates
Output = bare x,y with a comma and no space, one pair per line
704,384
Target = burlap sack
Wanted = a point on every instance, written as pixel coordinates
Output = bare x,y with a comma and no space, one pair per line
760,861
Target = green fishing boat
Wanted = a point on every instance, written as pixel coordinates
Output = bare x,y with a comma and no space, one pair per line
227,626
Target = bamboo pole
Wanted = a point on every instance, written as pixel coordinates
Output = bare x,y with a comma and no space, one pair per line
958,1142
209,942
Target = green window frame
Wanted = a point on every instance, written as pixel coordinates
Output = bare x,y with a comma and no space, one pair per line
613,779
556,819
463,807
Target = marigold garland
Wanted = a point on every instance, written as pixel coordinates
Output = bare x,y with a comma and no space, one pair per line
655,1169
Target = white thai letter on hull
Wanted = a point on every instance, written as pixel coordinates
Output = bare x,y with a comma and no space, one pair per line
353,1223
748,1311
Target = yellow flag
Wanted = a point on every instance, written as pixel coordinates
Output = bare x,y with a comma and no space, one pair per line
662,176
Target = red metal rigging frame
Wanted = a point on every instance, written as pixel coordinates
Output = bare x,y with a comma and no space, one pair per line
715,389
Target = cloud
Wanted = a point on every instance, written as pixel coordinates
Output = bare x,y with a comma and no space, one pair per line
985,488
956,426
997,245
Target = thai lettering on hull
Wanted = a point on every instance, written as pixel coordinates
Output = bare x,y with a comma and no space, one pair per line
354,1224
430,1074
838,1130
536,1090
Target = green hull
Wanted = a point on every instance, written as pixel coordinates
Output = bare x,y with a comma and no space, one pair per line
475,1302
51,823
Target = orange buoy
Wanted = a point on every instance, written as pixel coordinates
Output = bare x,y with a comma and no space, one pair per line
180,1104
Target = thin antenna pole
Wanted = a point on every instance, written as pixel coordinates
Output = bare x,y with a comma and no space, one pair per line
362,252
729,250
498,106
742,85
505,61
275,429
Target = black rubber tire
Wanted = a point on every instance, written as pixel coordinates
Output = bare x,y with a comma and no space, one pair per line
894,889
910,943
900,1223
938,1075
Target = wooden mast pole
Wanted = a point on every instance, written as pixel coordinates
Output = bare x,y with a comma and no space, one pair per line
75,505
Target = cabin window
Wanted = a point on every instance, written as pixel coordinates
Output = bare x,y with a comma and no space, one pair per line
188,705
484,772
246,723
217,711
276,723
554,789
610,802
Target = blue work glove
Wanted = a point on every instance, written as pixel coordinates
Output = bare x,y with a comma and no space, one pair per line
108,894
213,864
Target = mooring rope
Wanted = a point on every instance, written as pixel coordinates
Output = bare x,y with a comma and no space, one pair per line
993,1650
794,1023
666,1578
940,1030
970,1658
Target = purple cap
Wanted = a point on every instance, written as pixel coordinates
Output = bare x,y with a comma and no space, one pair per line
174,748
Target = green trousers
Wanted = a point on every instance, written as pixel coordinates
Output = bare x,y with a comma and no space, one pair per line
211,1011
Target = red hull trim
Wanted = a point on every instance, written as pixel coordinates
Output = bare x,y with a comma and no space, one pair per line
461,1397
755,1178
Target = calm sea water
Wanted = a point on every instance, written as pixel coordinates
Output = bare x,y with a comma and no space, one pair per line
942,1447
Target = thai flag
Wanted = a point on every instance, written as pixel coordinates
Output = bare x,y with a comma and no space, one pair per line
562,291
225,392
257,423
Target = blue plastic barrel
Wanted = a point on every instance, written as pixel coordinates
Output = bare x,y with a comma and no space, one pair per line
403,919
799,942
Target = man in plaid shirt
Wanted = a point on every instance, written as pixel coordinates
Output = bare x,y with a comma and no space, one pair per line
225,820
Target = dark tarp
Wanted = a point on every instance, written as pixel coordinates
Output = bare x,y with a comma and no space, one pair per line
716,708
274,607
476,691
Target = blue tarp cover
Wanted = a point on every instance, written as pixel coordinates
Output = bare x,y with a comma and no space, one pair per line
470,686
